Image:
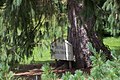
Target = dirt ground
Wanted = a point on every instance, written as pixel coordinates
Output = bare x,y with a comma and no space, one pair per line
33,71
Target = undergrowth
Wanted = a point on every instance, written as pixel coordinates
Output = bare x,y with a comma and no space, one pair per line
102,69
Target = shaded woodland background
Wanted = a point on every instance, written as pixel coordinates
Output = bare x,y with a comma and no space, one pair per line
27,27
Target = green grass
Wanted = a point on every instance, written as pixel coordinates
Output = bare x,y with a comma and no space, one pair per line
41,54
113,43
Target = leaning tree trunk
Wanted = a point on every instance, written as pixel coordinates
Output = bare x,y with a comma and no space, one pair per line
81,32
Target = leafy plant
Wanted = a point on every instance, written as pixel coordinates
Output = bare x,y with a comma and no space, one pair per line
108,70
47,73
105,70
5,73
102,70
77,76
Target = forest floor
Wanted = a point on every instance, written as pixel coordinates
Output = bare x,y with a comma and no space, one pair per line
33,70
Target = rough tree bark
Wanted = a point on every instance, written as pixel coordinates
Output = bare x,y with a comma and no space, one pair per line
81,32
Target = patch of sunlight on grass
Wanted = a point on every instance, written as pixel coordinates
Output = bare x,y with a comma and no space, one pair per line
112,42
41,54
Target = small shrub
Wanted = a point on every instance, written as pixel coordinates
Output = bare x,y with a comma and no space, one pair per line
48,73
5,73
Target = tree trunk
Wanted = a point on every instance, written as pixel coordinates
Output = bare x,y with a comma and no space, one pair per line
81,32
